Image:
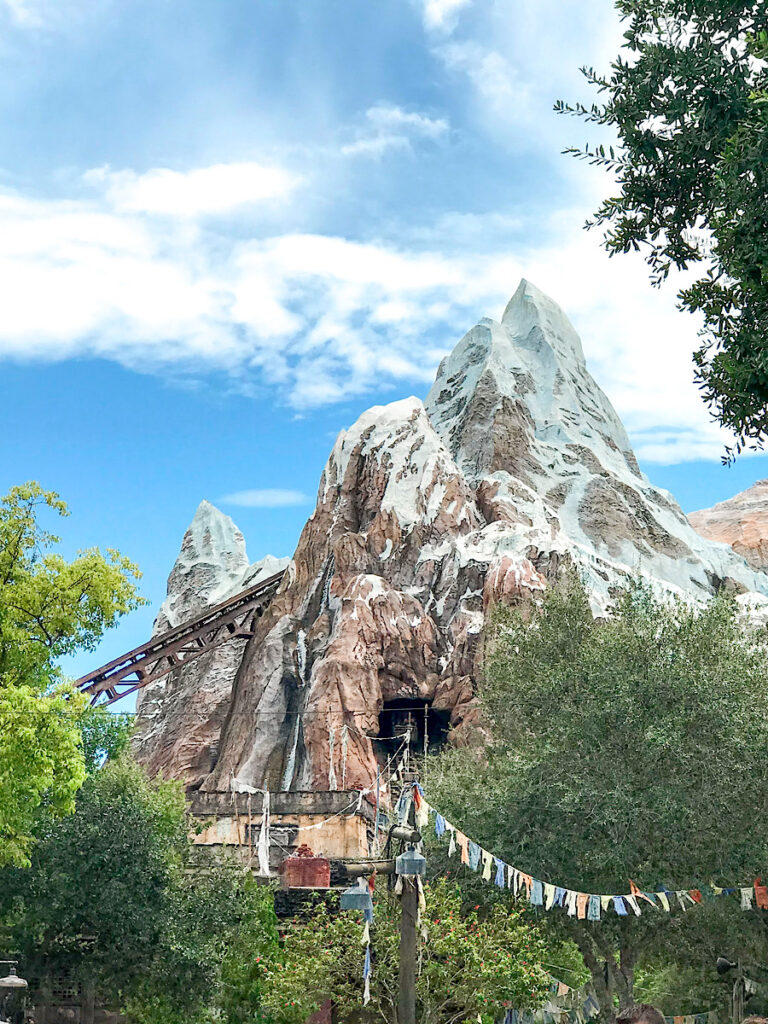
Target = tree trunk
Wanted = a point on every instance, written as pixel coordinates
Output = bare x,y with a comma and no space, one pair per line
601,978
626,969
88,1001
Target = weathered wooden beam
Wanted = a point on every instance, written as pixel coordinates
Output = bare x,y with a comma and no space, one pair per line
381,867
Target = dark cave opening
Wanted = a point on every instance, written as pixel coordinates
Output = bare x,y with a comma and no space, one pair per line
404,714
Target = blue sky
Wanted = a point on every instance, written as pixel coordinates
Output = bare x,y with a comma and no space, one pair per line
227,227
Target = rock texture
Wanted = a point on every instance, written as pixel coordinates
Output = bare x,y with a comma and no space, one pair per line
179,718
742,522
429,513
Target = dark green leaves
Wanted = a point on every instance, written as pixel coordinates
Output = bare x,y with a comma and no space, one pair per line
633,748
688,105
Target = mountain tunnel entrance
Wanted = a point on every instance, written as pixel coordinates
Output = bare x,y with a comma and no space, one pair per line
415,716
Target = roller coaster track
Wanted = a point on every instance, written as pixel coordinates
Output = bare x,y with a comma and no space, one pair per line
227,621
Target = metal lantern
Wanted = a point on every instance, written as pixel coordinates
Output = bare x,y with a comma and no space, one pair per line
411,863
12,980
358,897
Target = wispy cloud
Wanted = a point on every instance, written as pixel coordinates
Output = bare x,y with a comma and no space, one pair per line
392,128
492,74
23,12
29,15
516,59
268,498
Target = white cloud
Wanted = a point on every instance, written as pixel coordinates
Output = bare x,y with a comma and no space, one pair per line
391,127
389,118
205,190
375,145
320,318
81,279
267,498
442,15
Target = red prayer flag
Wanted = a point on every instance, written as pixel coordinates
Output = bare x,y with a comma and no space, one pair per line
761,894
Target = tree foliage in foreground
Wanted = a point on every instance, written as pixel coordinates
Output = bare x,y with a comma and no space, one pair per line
688,99
108,901
634,748
470,966
49,607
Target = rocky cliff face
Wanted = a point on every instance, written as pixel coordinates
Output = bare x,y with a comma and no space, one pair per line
742,522
179,718
427,514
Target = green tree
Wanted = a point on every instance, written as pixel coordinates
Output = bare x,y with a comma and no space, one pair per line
104,735
212,953
49,607
109,901
470,965
93,901
634,748
251,948
688,99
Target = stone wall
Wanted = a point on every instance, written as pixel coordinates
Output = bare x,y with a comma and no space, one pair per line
230,823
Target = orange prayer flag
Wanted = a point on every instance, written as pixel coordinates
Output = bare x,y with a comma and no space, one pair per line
639,892
463,842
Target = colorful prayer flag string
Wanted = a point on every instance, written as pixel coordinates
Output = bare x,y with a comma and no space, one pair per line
584,906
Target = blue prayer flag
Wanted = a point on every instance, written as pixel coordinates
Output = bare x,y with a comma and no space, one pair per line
500,872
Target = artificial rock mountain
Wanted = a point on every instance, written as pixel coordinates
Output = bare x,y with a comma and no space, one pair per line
427,514
742,522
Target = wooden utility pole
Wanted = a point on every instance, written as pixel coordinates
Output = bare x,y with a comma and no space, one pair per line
409,911
737,997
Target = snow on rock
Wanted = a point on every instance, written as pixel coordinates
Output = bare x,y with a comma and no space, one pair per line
389,592
551,463
210,567
428,514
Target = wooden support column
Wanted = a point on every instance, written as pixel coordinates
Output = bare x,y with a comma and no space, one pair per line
409,911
